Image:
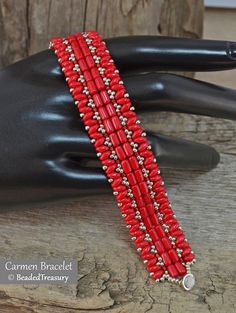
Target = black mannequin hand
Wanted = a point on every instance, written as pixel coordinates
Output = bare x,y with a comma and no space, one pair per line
45,151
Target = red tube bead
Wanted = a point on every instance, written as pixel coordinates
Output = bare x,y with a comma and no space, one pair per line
139,175
110,109
127,168
108,126
172,270
92,87
97,100
143,212
90,61
99,83
114,139
83,65
180,268
136,190
159,246
105,97
140,201
160,231
166,259
147,223
103,113
116,122
128,150
87,76
166,243
173,255
95,73
120,153
154,219
153,235
122,136
134,163
85,50
143,187
131,177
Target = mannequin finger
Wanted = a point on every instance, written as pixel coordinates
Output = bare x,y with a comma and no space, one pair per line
73,143
173,152
170,152
71,178
153,91
168,92
79,180
149,53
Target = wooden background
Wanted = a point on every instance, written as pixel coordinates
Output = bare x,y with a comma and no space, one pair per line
111,278
27,28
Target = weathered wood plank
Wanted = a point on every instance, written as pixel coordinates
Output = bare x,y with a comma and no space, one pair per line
123,17
13,31
219,133
48,18
110,18
182,18
111,276
27,28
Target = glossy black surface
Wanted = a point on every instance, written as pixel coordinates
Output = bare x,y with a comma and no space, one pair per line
45,151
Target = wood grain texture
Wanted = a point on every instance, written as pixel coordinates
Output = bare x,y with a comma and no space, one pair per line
13,31
111,277
218,133
182,18
122,17
27,28
48,18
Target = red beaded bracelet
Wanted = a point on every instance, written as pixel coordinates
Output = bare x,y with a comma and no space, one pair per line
126,156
